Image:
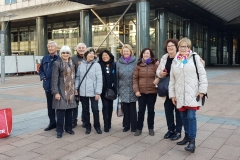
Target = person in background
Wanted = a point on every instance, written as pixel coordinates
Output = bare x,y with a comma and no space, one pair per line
163,70
77,59
90,88
125,68
144,81
187,88
106,60
63,89
45,73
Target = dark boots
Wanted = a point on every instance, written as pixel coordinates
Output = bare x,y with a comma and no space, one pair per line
184,141
191,145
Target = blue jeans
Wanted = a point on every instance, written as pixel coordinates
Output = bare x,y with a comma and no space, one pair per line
189,122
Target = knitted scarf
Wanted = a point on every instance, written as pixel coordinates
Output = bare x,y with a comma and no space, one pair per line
69,80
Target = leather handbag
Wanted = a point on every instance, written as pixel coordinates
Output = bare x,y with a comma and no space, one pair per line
163,86
110,94
119,109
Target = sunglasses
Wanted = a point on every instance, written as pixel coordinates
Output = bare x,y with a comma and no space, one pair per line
65,53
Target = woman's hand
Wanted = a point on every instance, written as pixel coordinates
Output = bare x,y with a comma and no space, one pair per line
76,92
201,95
57,96
97,97
174,101
156,81
163,74
138,94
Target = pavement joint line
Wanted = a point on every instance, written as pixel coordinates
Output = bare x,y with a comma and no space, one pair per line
19,86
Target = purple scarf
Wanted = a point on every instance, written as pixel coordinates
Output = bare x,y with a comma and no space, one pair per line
127,59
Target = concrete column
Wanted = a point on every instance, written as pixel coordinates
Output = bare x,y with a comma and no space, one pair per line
207,50
29,41
86,27
18,39
238,52
41,36
6,27
142,28
161,28
230,50
188,29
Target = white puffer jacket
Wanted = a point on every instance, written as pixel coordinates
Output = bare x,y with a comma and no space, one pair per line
184,84
162,65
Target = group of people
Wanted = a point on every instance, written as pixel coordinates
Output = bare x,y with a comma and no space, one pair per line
68,80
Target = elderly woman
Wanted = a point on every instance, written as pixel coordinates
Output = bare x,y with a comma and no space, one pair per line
187,90
144,81
125,68
63,86
89,84
163,70
106,60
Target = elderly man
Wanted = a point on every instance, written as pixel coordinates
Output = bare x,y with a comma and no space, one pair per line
45,73
77,61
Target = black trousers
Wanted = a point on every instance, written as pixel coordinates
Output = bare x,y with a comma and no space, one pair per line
75,114
169,112
107,110
61,115
86,113
130,115
51,112
148,100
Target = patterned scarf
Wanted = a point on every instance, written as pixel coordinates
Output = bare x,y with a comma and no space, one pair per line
69,80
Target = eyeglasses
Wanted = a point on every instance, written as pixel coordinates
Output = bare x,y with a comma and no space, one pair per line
65,53
171,46
183,47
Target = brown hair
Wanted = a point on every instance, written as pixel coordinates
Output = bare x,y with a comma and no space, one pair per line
174,41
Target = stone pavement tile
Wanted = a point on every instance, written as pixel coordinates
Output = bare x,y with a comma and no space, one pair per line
79,154
152,139
129,140
214,158
209,127
163,129
106,152
228,152
200,124
233,140
48,140
118,157
26,156
30,134
222,133
201,154
53,155
4,157
174,154
134,149
51,147
89,158
147,155
104,142
27,140
213,143
73,146
9,140
202,134
161,147
121,134
6,148
48,133
237,131
96,136
22,150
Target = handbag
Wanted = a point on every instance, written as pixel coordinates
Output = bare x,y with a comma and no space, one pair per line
163,86
5,122
119,109
205,95
110,94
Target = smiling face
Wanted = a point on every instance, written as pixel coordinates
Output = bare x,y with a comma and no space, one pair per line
146,55
171,48
105,57
90,56
65,56
52,49
81,49
126,52
183,48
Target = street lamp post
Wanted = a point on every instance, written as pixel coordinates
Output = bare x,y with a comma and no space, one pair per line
2,58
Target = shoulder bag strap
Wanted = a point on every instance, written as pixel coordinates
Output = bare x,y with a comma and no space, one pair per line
85,74
194,60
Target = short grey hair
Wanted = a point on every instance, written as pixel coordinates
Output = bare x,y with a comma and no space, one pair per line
52,42
81,44
65,49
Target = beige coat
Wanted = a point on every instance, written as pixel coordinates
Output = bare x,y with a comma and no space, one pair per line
184,84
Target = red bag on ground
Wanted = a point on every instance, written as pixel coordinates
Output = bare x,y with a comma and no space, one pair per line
5,122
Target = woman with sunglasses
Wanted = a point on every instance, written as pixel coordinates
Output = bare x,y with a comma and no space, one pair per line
63,86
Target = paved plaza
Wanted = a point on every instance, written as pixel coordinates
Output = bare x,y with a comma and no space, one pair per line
218,134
